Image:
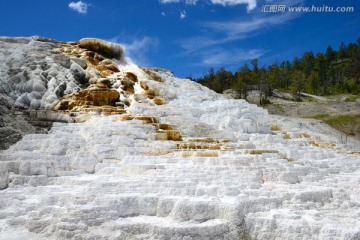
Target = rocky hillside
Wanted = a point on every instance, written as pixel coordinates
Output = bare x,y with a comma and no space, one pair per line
105,149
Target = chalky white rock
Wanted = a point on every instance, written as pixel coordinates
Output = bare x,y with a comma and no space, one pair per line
232,178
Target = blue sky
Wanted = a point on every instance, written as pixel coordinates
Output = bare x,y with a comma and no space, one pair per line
188,36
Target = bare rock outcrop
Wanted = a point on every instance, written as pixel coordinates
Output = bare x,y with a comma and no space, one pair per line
94,96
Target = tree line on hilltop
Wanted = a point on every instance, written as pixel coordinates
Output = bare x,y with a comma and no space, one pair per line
332,72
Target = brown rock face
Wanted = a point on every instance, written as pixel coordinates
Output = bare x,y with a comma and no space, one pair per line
173,135
164,131
159,101
106,73
152,75
170,135
91,60
94,96
147,119
109,65
107,68
105,110
107,49
148,91
132,76
127,85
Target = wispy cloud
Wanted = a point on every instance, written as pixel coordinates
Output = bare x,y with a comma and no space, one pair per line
251,4
194,44
221,33
187,2
80,7
183,14
168,1
191,2
220,45
137,48
238,28
224,57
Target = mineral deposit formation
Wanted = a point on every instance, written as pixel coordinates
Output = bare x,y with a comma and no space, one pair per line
96,147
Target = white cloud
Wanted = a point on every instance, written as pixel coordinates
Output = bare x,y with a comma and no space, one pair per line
191,2
220,33
217,46
137,48
251,3
183,14
168,1
238,28
213,48
80,7
187,2
195,44
223,57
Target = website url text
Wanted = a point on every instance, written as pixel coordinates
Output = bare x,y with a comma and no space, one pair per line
312,9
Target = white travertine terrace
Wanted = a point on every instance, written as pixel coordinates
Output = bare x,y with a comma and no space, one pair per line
229,177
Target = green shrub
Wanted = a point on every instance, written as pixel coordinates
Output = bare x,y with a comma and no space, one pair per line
338,121
264,101
320,116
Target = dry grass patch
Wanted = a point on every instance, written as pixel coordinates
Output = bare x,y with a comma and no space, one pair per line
286,136
275,128
258,152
